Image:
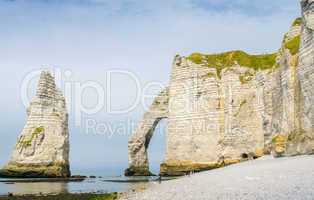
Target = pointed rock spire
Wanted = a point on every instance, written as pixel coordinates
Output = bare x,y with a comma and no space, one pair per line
42,149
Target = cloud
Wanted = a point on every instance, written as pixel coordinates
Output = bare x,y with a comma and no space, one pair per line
249,7
245,7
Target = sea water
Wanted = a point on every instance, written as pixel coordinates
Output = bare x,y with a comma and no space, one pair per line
106,181
89,185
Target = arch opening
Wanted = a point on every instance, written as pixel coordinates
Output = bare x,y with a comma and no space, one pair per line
140,140
157,147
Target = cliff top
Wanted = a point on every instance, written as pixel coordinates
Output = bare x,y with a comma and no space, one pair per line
228,59
224,60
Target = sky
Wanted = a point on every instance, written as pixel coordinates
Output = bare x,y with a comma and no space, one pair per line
134,41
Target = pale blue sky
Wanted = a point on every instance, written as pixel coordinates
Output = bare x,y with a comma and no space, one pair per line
89,37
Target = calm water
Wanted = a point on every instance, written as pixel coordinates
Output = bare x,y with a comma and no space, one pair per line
98,185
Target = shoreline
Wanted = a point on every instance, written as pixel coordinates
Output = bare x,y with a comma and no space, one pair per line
65,196
266,178
39,180
77,193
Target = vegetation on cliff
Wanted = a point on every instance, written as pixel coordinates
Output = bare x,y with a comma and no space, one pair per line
246,77
292,42
229,59
37,131
293,45
297,22
257,62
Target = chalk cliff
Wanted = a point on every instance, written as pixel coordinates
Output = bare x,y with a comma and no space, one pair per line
230,107
214,111
297,135
285,118
42,149
305,71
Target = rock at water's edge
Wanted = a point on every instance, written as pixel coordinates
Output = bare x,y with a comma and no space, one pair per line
138,171
42,150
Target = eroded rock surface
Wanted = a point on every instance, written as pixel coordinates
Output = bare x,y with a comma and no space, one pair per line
285,91
214,116
229,107
42,149
294,121
302,141
138,143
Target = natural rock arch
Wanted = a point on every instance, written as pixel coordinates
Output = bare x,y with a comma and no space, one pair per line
139,141
230,107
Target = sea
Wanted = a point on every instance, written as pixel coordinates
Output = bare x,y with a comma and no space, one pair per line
103,183
96,185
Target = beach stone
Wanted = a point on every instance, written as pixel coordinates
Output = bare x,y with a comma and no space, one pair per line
42,149
265,178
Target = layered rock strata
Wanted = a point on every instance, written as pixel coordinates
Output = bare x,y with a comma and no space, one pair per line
304,142
42,149
229,107
214,116
285,91
295,135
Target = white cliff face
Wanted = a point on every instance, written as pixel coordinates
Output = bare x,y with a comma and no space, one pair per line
42,149
265,91
285,92
243,134
214,119
229,107
305,142
308,13
194,123
293,119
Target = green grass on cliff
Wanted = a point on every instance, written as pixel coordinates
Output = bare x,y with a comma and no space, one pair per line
37,131
228,59
257,62
294,45
297,22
